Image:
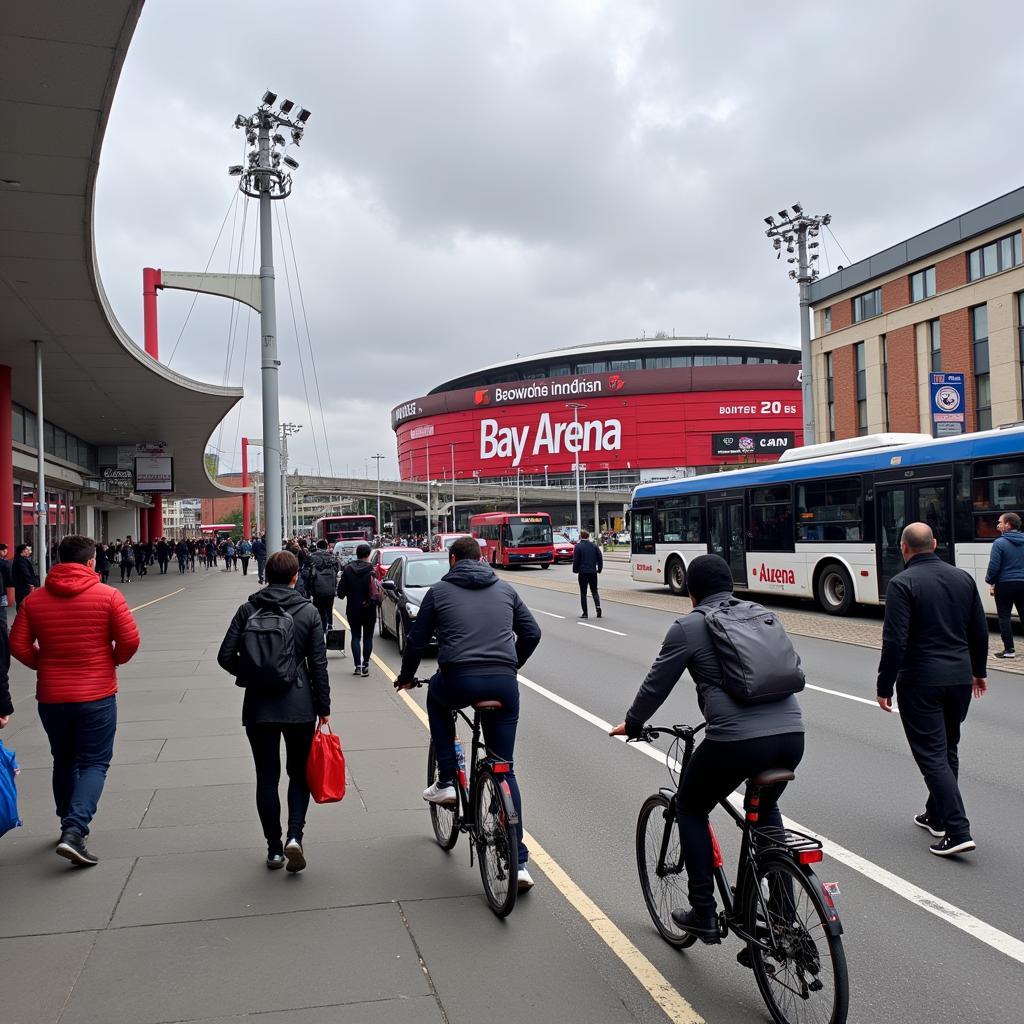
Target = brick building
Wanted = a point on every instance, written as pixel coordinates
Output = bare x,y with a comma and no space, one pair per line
950,300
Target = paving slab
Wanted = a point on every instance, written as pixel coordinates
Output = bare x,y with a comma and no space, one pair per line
389,779
126,751
167,728
46,967
417,1010
203,748
249,965
124,809
378,730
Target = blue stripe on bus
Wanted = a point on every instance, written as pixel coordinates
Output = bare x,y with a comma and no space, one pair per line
877,460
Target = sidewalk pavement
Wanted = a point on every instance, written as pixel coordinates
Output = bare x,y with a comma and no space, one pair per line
181,920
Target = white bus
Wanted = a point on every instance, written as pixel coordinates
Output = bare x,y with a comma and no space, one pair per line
825,521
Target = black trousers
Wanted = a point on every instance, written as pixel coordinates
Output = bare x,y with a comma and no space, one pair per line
1008,596
931,717
265,740
588,579
325,606
714,771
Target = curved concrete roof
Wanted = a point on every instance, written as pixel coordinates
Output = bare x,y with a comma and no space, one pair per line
59,67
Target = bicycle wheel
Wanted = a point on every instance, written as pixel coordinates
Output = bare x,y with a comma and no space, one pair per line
497,844
802,977
445,820
667,892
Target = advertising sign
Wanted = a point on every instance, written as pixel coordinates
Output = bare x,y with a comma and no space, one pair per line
947,404
154,473
742,442
115,475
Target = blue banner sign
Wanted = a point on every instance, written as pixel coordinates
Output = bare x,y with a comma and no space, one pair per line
948,404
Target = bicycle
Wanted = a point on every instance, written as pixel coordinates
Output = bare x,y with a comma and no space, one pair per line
779,908
484,810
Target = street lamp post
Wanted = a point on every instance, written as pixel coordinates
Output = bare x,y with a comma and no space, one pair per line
376,458
519,477
264,179
287,429
576,406
545,476
454,524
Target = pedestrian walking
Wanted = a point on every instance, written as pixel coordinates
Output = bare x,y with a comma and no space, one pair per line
360,608
934,648
191,545
141,559
181,553
1005,577
6,583
23,573
244,552
259,552
102,563
74,631
6,704
588,564
127,560
163,555
275,649
320,578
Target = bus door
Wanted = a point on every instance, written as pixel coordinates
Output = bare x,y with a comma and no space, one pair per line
726,535
896,505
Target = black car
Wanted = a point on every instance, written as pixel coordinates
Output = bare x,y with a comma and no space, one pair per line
405,585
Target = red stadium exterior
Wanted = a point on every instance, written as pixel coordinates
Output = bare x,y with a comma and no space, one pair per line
637,423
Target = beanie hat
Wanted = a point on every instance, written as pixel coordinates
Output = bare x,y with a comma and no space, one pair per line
708,574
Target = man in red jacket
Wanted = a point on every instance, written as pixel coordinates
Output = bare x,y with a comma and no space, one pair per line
75,631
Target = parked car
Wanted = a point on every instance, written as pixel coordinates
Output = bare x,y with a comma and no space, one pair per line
410,577
346,550
382,558
443,541
564,548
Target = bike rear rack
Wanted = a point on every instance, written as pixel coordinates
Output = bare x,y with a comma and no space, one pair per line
771,837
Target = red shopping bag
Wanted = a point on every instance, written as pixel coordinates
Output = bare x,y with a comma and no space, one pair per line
325,769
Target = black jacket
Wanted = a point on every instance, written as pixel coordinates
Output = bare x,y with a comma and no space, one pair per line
259,549
23,572
320,560
354,586
311,695
935,633
481,623
6,575
6,705
587,558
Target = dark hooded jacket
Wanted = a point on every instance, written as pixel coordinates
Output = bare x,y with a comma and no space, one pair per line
354,586
311,695
481,623
1006,562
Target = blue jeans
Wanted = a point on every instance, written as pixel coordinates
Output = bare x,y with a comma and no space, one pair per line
82,744
445,694
362,639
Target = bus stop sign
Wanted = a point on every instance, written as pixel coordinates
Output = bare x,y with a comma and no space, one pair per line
947,404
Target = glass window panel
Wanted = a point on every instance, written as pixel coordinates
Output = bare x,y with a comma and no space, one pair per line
47,437
1009,467
18,424
990,259
984,390
600,366
626,364
975,264
1006,253
682,361
984,419
830,510
1017,249
561,370
859,350
60,443
771,527
929,281
828,318
981,364
916,287
979,318
769,495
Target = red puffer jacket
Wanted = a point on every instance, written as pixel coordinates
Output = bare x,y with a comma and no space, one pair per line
74,631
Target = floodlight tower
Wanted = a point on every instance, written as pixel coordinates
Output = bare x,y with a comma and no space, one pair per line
262,178
796,226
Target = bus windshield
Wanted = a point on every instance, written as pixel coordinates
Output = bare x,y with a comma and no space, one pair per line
528,531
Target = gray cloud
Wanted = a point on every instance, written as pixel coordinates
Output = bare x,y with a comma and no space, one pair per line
479,180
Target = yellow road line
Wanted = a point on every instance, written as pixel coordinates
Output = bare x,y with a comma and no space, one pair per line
156,600
660,989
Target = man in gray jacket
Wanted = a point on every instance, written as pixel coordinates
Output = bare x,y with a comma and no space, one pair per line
484,635
1006,578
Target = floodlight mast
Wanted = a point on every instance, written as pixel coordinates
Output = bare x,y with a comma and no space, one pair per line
261,178
796,225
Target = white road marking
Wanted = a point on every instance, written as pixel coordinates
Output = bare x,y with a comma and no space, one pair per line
850,696
614,632
540,611
156,600
1004,943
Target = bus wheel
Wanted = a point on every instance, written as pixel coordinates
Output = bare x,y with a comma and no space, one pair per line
675,576
835,590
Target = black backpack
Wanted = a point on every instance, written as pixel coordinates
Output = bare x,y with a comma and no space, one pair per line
325,577
266,652
759,664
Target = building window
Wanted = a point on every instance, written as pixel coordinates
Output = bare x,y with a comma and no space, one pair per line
626,364
935,344
867,305
601,366
828,319
862,389
1020,336
830,385
884,355
982,381
922,284
1002,254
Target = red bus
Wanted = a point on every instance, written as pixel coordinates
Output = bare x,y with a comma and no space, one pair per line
514,539
335,528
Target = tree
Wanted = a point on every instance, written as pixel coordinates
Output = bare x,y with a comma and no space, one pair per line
235,518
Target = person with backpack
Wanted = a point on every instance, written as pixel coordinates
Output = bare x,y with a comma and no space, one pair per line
127,560
244,554
747,675
259,552
361,589
320,580
275,649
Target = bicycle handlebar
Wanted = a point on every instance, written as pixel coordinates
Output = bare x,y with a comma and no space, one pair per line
686,733
412,683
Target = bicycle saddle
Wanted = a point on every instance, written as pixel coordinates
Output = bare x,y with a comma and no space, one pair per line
488,705
770,776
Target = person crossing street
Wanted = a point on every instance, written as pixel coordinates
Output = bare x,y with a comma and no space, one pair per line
1005,576
588,564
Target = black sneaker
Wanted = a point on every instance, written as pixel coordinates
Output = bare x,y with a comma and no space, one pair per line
72,847
1006,655
365,671
584,616
357,671
599,613
704,927
923,821
275,860
947,846
293,853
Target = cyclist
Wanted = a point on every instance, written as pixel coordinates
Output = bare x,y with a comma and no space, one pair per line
484,635
742,739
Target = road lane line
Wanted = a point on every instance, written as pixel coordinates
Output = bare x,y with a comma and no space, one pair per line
156,600
540,611
615,632
657,986
849,696
1001,941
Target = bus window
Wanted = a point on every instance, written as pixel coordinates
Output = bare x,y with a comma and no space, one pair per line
830,510
643,531
771,519
680,521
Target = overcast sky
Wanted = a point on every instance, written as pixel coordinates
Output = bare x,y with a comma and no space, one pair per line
484,179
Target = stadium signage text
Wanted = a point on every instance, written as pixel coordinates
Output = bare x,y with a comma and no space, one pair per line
769,575
549,389
551,438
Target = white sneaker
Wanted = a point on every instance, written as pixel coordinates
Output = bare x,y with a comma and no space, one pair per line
524,879
440,794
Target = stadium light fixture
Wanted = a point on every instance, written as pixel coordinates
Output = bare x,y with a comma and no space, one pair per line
303,115
286,106
269,98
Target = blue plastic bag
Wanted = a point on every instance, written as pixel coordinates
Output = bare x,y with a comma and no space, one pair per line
8,791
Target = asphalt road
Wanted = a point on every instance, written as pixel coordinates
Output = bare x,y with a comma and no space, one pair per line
857,787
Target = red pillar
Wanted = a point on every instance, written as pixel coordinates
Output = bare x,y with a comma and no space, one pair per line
143,525
246,499
154,517
6,469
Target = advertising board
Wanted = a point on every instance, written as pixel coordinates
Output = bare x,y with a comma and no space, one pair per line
154,474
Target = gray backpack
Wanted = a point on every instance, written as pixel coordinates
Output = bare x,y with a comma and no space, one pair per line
759,664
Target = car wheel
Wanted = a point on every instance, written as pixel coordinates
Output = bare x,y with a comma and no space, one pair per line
835,590
400,634
675,576
546,565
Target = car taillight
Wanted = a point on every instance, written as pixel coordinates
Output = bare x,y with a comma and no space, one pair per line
809,856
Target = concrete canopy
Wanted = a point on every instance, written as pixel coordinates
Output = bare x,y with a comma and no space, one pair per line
59,67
